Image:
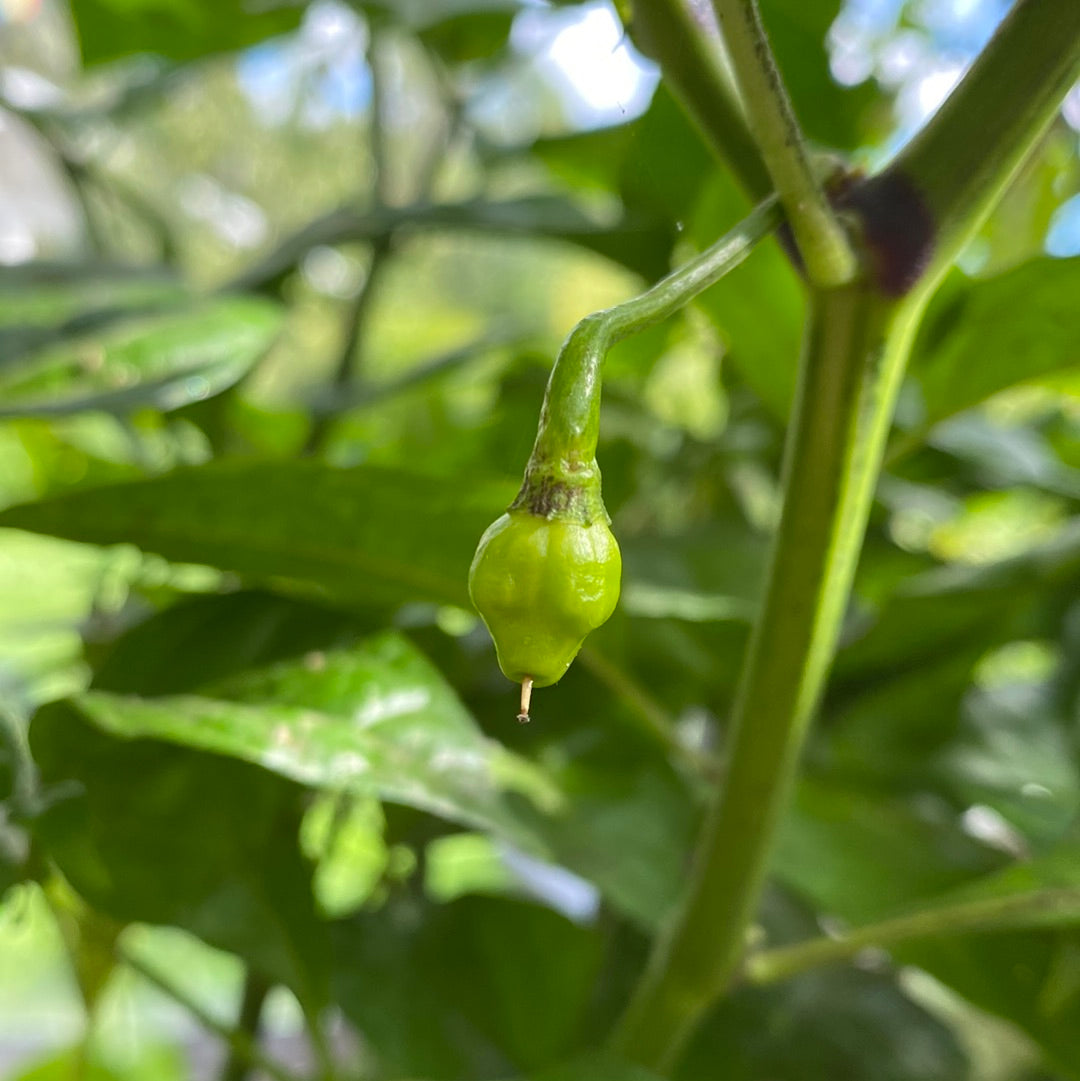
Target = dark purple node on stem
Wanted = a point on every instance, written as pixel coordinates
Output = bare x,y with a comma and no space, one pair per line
898,229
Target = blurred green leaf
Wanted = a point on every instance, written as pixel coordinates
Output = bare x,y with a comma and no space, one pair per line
205,638
483,978
1057,869
597,1067
863,854
821,1026
987,334
657,164
1014,753
153,1063
954,608
758,308
160,834
363,535
1031,978
179,29
163,361
376,719
43,295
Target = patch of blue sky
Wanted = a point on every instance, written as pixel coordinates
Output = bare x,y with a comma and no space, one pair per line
319,74
1063,237
585,55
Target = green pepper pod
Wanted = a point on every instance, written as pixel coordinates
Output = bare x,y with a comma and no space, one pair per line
541,586
547,572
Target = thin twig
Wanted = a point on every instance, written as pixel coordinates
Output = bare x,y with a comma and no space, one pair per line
356,326
823,244
964,917
357,317
238,1066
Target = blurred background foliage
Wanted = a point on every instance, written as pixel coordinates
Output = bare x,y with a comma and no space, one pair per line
279,288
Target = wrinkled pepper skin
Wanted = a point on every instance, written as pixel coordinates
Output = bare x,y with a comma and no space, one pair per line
541,584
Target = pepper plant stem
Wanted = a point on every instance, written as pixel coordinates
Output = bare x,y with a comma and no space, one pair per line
823,244
855,348
238,1066
857,340
961,162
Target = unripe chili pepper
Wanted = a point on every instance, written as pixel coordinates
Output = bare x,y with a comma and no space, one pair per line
547,572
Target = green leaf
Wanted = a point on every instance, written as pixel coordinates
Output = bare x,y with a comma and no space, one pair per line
1030,978
825,1025
45,296
163,361
478,975
377,719
862,854
177,29
985,335
202,639
822,1025
597,1067
657,164
151,1063
366,535
757,308
160,834
946,610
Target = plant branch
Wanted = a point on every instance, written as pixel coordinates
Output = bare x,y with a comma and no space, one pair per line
357,317
964,917
855,350
964,158
822,242
356,322
239,1041
690,53
834,446
237,1066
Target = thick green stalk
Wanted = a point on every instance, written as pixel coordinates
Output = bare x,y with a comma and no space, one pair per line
962,161
822,241
1034,909
855,349
914,217
691,54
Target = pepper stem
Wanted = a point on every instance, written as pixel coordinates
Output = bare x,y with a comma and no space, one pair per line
526,697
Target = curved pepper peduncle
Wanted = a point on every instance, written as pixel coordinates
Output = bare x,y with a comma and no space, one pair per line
562,479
